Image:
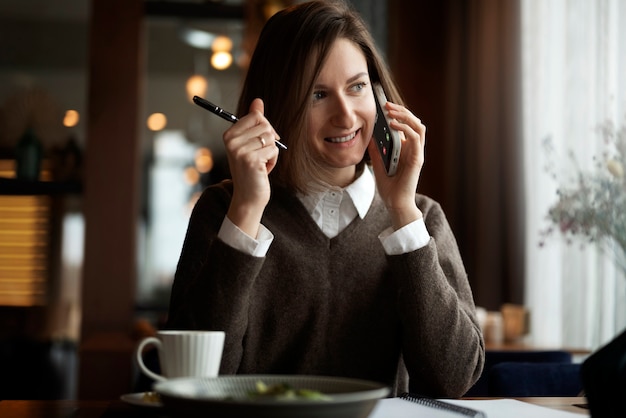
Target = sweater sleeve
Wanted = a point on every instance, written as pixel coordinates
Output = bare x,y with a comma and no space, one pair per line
213,281
443,347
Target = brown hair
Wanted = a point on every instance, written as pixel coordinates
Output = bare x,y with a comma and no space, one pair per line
288,57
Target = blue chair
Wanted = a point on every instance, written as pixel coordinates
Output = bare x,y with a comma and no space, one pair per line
494,357
521,379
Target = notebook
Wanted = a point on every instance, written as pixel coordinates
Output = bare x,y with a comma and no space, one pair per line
412,406
415,406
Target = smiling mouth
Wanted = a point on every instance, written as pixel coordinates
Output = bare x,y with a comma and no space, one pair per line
342,139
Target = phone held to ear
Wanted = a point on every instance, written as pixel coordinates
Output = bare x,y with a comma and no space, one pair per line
387,140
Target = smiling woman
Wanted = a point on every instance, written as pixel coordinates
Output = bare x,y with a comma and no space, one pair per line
342,113
312,259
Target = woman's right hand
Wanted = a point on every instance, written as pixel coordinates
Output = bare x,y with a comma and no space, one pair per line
252,155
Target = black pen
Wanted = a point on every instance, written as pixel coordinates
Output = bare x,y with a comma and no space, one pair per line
225,115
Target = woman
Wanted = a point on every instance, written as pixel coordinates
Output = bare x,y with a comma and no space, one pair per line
311,260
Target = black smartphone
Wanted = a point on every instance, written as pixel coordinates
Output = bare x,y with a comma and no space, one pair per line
387,140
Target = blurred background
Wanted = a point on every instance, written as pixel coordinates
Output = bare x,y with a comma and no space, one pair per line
102,155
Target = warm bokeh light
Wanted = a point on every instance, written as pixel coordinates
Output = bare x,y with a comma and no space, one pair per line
156,121
204,160
272,7
192,177
221,60
197,85
71,118
222,43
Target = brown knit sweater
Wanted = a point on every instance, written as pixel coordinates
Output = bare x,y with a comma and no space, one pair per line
334,307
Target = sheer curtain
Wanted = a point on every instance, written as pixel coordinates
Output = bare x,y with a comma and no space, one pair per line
574,79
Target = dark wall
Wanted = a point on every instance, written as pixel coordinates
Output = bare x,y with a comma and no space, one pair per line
417,46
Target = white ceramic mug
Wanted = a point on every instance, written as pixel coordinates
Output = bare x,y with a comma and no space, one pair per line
184,353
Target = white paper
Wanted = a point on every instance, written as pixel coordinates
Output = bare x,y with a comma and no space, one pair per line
511,408
496,408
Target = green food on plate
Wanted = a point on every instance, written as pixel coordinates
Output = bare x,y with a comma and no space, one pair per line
283,391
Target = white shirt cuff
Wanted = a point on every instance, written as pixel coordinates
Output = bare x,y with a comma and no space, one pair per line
406,239
236,238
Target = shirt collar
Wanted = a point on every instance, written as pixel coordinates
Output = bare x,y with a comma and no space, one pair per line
361,192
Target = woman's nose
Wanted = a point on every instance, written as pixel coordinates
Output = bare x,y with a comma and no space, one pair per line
343,113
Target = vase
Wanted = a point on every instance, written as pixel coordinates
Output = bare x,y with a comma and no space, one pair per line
604,379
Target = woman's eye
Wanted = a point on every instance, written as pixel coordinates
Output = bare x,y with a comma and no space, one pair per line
359,86
317,95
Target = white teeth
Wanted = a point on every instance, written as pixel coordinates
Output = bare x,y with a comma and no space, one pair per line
342,138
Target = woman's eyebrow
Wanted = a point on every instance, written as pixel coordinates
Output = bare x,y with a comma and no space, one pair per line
348,81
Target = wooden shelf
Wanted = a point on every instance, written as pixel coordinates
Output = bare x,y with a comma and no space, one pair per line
12,186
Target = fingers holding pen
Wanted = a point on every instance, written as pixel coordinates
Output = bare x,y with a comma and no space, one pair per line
251,151
260,137
251,155
250,138
252,125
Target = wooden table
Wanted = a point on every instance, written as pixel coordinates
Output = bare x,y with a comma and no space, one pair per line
579,355
521,346
118,409
563,404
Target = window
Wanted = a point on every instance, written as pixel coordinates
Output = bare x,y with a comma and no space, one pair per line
574,61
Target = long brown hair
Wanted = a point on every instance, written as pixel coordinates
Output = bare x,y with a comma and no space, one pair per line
288,57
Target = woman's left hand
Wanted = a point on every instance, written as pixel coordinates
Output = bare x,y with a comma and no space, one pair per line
398,191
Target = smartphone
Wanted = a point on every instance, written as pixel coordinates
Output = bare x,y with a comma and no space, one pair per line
387,140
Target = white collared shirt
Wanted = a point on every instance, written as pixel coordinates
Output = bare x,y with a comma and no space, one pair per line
332,210
335,208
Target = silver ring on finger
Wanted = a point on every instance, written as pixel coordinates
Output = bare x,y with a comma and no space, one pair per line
262,141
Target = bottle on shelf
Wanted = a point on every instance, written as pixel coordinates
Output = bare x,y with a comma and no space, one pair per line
29,153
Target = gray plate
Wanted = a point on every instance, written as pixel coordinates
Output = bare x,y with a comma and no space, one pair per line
227,396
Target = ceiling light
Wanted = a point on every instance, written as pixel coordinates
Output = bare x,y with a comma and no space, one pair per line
222,43
221,60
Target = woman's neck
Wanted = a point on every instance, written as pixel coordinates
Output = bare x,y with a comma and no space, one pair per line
342,177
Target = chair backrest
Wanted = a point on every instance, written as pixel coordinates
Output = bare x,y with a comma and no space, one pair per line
543,356
520,379
493,357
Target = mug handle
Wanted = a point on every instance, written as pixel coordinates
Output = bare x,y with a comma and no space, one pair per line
142,366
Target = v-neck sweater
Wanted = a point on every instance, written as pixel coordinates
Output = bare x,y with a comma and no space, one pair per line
331,306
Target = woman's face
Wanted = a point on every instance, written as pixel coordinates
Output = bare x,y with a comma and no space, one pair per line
342,112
